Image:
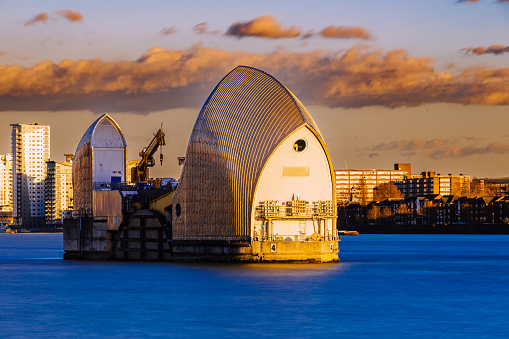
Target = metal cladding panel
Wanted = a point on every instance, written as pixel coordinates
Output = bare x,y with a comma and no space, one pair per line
245,118
108,205
82,178
103,133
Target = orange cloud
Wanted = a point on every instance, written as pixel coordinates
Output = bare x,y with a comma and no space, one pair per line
41,17
162,79
265,26
70,15
168,30
493,49
346,32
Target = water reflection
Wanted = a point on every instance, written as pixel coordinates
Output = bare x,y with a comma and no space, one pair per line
269,269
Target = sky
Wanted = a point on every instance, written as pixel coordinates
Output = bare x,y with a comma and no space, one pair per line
403,81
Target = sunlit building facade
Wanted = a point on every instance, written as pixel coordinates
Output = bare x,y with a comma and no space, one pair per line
58,192
30,150
130,165
6,182
359,185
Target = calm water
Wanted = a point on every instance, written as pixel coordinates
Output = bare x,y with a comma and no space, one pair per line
385,286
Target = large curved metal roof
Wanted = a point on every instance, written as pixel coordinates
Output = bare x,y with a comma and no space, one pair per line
245,118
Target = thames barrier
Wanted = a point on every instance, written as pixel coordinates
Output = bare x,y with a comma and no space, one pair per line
257,185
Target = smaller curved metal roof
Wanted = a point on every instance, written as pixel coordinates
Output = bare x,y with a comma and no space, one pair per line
88,137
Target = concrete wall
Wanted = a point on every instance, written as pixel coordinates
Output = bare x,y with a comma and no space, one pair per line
85,239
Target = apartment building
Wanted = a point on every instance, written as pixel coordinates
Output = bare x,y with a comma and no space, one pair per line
58,191
432,183
30,144
358,185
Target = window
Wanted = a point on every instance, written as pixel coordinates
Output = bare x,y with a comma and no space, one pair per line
299,146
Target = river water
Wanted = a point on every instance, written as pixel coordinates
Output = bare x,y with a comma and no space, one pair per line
421,286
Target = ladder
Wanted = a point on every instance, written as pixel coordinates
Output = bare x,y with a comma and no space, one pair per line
302,230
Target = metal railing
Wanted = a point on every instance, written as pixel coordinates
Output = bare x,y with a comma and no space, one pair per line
270,209
108,186
296,237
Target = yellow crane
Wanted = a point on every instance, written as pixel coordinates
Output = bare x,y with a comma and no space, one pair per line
139,173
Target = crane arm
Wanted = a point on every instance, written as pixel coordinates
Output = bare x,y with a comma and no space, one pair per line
140,172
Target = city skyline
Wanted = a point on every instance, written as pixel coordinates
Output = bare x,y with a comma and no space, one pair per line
393,82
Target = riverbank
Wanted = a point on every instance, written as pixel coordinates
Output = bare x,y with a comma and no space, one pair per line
430,229
30,230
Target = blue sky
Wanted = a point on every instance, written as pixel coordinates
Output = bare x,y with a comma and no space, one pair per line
424,87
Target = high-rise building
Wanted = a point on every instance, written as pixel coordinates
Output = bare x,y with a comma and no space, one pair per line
30,150
57,190
6,182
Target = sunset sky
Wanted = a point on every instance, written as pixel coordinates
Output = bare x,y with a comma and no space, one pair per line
421,82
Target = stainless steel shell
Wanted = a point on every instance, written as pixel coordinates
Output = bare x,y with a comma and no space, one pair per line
245,118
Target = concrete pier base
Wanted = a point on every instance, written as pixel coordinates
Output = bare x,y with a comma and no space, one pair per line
257,251
86,239
296,251
144,236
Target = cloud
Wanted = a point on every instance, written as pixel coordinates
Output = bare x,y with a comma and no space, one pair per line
168,30
70,15
200,28
41,17
165,78
265,26
346,32
203,28
66,13
308,34
440,148
493,49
